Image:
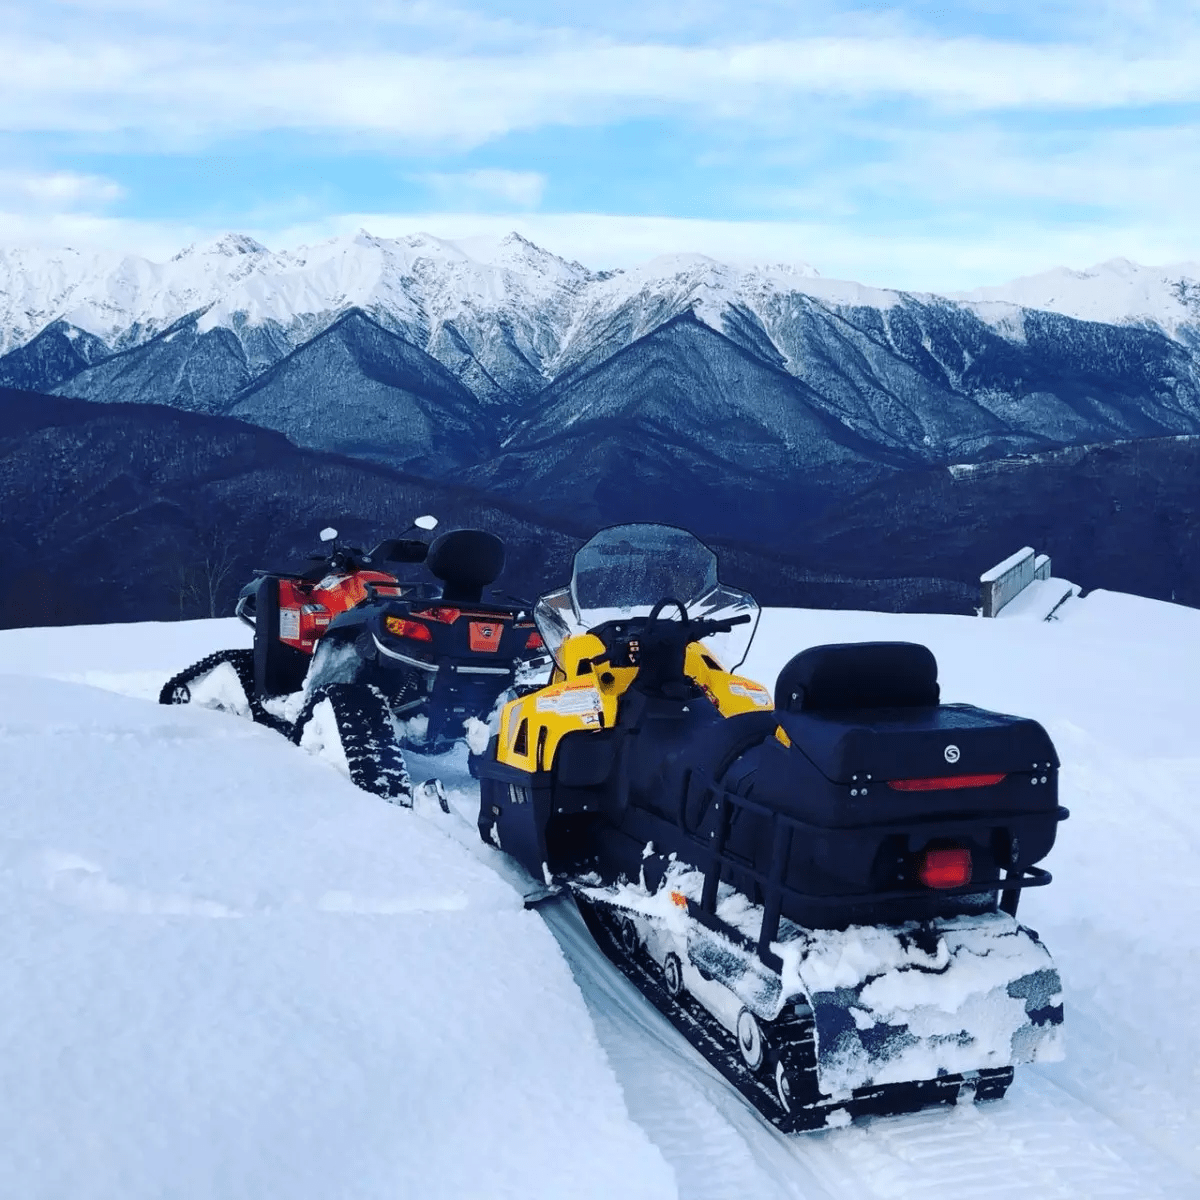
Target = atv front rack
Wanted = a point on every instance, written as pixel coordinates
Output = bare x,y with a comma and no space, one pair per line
784,827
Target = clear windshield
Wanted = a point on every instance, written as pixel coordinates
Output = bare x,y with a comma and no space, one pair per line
624,571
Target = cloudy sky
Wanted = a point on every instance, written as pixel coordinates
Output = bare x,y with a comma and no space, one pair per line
913,144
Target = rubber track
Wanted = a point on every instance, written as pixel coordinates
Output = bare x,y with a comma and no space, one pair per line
364,725
793,1038
242,662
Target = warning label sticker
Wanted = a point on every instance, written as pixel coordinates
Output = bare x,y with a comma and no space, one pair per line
289,623
752,691
571,702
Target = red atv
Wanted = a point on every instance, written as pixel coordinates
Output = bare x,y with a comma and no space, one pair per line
352,661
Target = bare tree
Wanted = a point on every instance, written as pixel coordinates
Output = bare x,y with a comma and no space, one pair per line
218,564
182,584
199,576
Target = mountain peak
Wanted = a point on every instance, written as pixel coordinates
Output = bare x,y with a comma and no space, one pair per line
513,238
229,245
235,243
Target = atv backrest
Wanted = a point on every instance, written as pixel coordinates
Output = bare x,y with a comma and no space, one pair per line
858,675
465,560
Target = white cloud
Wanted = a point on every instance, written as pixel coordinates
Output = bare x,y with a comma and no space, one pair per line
54,191
978,140
167,89
522,189
977,171
156,240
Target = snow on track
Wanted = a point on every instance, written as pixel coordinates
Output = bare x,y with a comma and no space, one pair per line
1040,1141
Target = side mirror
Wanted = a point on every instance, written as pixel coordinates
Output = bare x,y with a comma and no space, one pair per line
426,522
328,534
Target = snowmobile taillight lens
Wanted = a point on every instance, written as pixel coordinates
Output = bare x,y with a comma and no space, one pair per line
943,783
946,868
534,641
446,616
409,629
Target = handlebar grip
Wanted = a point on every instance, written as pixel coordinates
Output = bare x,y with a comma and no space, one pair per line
703,628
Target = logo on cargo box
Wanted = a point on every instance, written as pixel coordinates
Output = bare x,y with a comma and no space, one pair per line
951,754
485,636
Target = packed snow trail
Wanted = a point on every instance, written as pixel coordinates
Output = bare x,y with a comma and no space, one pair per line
1114,683
717,1144
1044,1139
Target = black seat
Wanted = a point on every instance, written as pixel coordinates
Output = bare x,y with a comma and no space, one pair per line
466,560
855,675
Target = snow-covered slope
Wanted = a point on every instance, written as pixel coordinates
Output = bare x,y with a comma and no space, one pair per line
414,283
1117,292
230,973
366,345
553,312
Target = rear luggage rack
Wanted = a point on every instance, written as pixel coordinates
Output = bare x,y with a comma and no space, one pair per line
775,891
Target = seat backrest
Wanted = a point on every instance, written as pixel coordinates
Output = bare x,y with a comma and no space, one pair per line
858,675
465,560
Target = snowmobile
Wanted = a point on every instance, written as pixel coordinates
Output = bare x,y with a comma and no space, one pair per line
350,659
819,888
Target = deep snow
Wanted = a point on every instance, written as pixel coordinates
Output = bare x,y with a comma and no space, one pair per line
231,973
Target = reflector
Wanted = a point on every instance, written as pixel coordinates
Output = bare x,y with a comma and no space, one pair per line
941,783
447,616
947,868
409,629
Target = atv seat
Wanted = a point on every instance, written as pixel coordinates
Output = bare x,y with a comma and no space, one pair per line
466,560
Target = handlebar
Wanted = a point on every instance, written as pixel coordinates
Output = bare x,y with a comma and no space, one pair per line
695,629
664,646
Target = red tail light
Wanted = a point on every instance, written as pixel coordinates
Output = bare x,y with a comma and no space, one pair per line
946,868
409,629
534,641
446,616
943,783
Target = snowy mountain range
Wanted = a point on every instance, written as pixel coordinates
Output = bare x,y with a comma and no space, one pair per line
502,360
820,426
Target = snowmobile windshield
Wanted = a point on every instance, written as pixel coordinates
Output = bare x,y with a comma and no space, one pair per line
624,571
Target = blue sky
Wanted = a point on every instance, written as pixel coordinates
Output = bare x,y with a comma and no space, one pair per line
916,145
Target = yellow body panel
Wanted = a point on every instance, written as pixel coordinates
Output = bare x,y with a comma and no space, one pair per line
584,695
730,693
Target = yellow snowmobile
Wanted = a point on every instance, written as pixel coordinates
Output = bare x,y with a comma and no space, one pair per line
819,892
